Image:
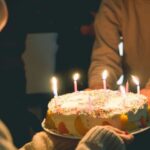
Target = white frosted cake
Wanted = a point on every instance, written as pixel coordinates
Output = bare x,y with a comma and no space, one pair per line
75,113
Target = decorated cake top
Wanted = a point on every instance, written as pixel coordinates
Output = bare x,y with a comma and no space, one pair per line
104,103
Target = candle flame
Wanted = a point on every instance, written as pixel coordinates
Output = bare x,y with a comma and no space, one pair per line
76,76
54,85
135,80
104,74
121,49
120,80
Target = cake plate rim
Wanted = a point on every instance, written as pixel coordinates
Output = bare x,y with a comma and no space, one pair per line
54,132
140,130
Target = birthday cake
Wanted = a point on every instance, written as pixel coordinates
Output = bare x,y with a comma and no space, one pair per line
75,113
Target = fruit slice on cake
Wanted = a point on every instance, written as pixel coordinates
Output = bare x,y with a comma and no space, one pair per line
62,128
80,127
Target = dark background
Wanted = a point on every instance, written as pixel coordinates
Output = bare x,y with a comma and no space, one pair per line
72,21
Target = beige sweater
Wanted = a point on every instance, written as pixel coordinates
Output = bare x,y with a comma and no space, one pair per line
98,138
131,20
6,141
3,14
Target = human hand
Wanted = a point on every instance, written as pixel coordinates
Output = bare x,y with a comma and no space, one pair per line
45,141
106,137
125,136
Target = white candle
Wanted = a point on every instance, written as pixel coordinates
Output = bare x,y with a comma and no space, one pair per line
137,82
121,87
75,78
127,86
54,86
123,93
122,90
120,80
104,77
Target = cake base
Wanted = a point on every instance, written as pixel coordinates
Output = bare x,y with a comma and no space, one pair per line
74,114
54,132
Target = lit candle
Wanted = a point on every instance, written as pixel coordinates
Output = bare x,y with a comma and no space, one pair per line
75,78
104,77
121,87
137,82
121,48
122,90
54,86
127,86
120,80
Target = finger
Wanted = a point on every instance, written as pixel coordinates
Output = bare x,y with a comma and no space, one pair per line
126,137
115,129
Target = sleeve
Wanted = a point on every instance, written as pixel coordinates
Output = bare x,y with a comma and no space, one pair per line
100,138
46,141
3,14
105,54
40,141
6,141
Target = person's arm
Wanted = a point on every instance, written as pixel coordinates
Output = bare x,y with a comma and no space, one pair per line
98,137
6,141
105,53
3,14
45,141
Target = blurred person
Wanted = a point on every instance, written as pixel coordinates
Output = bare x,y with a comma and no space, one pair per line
13,99
126,21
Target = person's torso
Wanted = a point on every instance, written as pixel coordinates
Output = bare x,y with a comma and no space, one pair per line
136,36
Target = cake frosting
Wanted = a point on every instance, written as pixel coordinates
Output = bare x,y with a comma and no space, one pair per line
75,113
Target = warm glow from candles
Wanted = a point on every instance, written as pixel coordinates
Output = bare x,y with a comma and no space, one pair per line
54,86
104,77
137,82
76,76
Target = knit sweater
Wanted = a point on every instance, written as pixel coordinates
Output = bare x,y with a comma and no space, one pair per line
129,19
98,138
101,138
3,14
6,141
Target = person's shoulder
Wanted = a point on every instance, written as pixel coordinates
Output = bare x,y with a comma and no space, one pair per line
6,141
114,2
4,132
